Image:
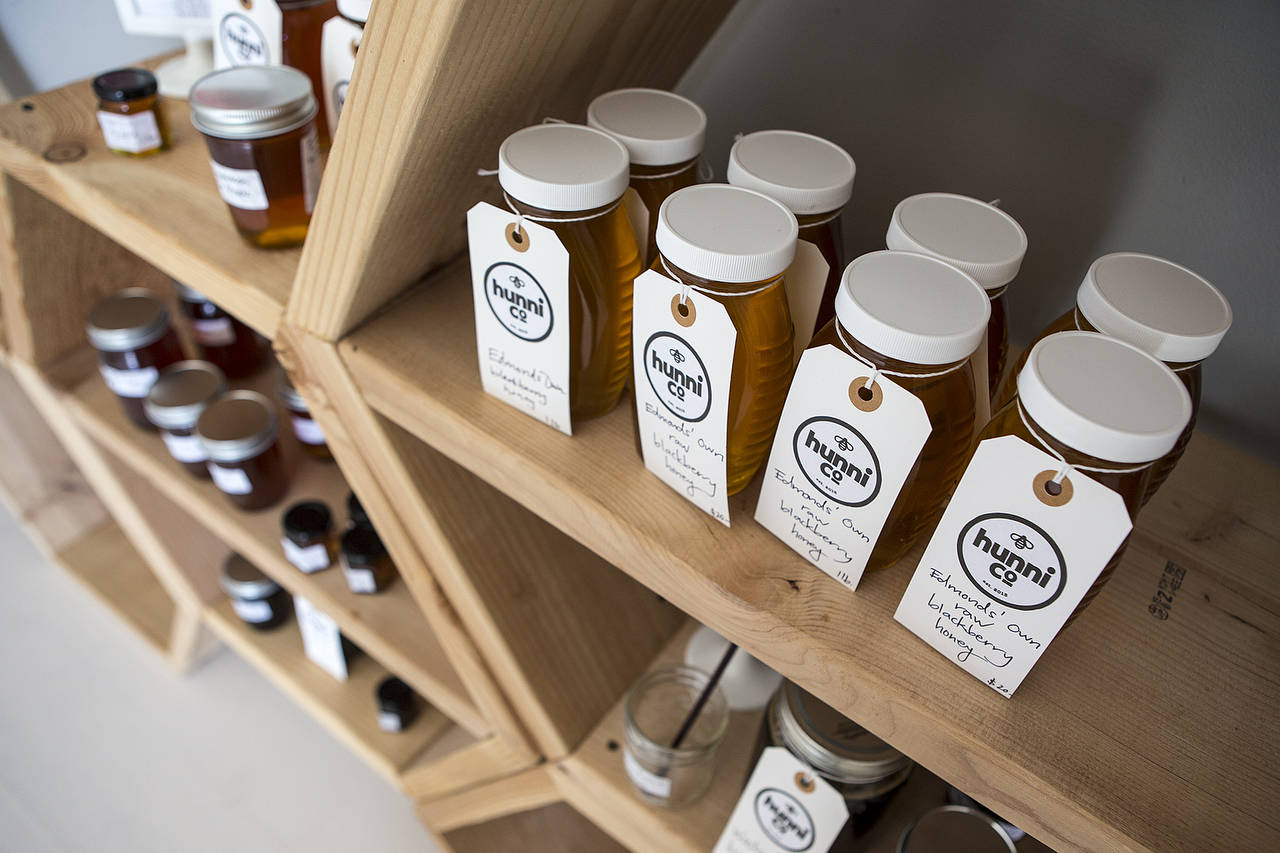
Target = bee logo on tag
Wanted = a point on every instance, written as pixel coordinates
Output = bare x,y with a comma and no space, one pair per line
242,41
784,820
518,301
1012,560
837,460
678,376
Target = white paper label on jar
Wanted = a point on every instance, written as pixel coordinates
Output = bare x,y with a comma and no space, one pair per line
1009,562
307,430
132,382
246,34
836,468
134,133
389,721
683,363
321,639
520,289
233,481
360,580
644,779
310,559
786,806
311,167
338,43
213,331
184,448
805,281
255,612
241,188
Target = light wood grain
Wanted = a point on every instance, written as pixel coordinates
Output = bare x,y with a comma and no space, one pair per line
551,829
1123,715
435,90
510,795
478,762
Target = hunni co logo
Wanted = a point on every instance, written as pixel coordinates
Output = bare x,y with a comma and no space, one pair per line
518,301
242,41
837,460
1012,560
678,376
784,820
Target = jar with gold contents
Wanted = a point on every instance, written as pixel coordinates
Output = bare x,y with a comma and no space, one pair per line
365,562
301,28
129,112
305,427
223,340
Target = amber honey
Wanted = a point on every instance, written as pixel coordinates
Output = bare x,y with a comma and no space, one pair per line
654,184
302,23
823,231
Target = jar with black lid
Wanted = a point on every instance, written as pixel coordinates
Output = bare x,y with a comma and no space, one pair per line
174,404
129,112
222,339
259,601
365,562
398,705
239,433
135,341
308,540
305,427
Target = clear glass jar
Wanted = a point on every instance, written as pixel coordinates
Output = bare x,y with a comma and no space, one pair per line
305,427
656,709
301,27
663,133
133,337
365,562
814,179
955,828
259,601
174,404
976,237
222,339
571,179
398,705
309,541
917,320
239,433
129,112
259,122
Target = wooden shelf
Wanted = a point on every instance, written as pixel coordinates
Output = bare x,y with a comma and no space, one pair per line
1124,715
551,829
389,626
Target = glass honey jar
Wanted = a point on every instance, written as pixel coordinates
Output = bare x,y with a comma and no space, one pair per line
301,26
305,428
365,562
259,122
129,112
734,246
663,133
814,179
1105,407
222,339
259,601
1165,309
398,705
239,432
174,404
571,179
973,236
309,541
916,320
339,44
135,341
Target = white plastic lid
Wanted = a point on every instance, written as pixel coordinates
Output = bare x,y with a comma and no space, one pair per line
912,307
1165,309
563,167
726,234
806,173
658,128
1104,397
980,239
356,10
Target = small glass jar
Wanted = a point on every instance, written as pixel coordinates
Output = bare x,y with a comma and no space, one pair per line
174,404
260,125
955,828
398,705
571,179
814,179
129,112
656,709
222,339
734,245
1106,407
663,133
339,44
976,237
917,320
1165,309
365,562
309,542
133,337
302,25
865,770
356,515
257,599
239,433
305,427
956,797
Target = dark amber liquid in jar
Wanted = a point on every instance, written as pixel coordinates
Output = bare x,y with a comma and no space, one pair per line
950,402
267,475
365,562
195,469
603,262
997,339
653,191
222,339
279,161
302,22
823,231
305,429
148,103
158,354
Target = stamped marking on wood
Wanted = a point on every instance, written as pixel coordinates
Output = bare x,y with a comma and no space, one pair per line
1170,580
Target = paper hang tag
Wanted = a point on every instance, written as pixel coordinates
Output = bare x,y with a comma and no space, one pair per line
246,32
321,639
805,282
520,285
785,807
838,461
338,42
1009,562
638,215
683,363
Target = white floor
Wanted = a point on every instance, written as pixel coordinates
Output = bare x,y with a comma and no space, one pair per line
103,748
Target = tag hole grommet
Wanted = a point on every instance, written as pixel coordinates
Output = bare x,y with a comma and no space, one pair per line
517,238
683,313
863,398
1044,486
805,782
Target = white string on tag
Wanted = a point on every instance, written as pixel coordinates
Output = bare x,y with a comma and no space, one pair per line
486,173
550,120
705,172
1068,467
670,174
521,216
823,221
995,202
876,370
685,287
997,293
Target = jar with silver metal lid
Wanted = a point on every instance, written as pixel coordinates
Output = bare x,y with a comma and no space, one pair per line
135,341
259,601
222,339
260,125
239,433
305,427
174,404
955,828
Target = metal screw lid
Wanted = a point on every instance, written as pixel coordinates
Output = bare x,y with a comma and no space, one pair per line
183,391
127,320
243,580
289,395
830,742
252,102
237,426
187,293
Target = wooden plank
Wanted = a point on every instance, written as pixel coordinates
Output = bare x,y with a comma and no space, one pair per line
510,795
435,776
435,90
1081,756
551,829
